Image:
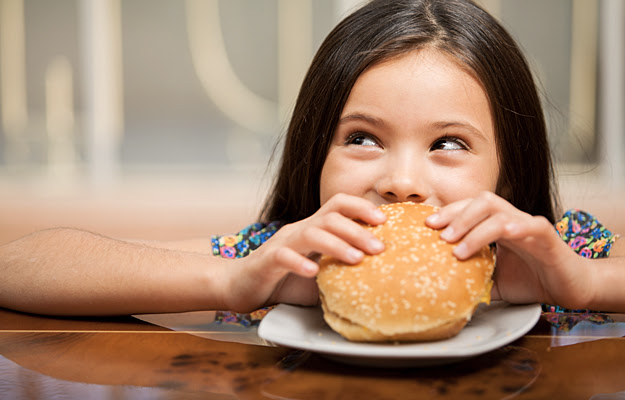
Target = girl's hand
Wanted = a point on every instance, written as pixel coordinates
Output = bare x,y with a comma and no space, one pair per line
533,263
283,269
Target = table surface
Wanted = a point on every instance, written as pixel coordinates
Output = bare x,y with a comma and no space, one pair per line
565,356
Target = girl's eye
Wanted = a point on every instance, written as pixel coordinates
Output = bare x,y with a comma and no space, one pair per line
449,143
361,139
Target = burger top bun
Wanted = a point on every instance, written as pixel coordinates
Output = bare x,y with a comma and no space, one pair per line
415,290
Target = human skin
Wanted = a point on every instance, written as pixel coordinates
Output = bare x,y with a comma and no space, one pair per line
414,128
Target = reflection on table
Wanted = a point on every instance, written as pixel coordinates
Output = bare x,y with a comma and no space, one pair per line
564,356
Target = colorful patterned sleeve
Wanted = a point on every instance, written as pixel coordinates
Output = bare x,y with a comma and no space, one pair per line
587,237
237,246
246,241
585,234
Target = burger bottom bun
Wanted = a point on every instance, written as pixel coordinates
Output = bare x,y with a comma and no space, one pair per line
359,333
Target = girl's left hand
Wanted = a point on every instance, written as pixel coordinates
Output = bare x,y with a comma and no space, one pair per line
533,263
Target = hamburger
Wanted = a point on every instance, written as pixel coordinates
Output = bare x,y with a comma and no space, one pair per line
416,290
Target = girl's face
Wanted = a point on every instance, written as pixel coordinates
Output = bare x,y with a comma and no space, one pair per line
414,128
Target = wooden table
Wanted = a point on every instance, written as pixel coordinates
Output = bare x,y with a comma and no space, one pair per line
124,358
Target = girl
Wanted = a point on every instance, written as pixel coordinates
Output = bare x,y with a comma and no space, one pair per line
416,100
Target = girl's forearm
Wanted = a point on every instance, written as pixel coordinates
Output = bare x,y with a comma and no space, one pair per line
71,272
197,245
608,282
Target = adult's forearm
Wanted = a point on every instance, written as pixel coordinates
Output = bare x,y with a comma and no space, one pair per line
72,272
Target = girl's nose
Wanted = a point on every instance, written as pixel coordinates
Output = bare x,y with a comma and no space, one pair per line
404,182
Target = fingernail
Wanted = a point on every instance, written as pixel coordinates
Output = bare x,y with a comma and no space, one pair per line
461,251
377,214
309,267
354,255
447,233
376,245
433,218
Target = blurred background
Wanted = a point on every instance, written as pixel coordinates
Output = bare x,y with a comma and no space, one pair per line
157,119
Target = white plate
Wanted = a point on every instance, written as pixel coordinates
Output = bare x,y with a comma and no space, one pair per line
491,327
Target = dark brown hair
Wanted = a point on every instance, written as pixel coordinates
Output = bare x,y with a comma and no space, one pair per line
383,29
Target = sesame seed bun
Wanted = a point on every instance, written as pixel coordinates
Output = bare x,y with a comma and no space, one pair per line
416,290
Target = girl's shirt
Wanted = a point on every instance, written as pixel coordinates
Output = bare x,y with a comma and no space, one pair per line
246,241
580,230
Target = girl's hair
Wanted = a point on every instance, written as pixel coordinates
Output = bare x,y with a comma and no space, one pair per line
383,29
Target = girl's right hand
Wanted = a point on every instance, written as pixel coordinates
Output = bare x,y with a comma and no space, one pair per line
282,270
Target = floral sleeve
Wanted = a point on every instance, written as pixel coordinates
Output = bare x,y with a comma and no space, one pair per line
587,237
237,246
243,243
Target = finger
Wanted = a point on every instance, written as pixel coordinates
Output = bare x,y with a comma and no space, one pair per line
296,290
476,211
523,232
352,232
445,215
486,232
355,208
321,241
292,261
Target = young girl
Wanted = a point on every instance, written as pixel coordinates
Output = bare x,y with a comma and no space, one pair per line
416,100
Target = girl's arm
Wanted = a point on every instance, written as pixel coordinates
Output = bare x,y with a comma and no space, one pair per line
73,272
608,280
197,245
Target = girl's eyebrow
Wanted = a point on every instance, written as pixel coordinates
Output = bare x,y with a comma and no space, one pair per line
361,117
466,126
